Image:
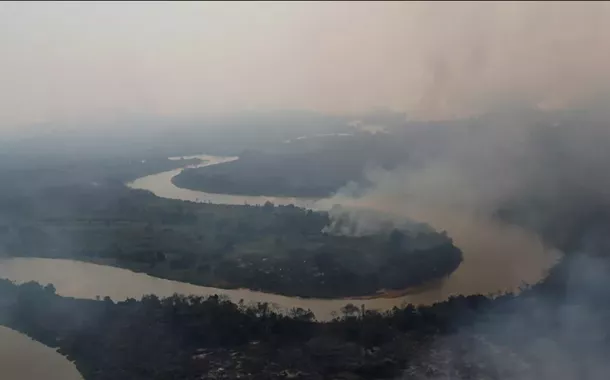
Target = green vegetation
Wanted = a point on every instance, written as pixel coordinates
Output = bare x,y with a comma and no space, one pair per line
297,171
274,249
29,175
555,329
559,322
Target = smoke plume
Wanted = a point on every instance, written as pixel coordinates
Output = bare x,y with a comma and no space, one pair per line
478,57
523,163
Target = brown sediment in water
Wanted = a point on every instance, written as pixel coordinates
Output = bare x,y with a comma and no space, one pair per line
22,358
397,293
497,257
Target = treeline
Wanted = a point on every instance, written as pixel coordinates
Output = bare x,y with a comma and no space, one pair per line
297,171
31,174
275,249
556,324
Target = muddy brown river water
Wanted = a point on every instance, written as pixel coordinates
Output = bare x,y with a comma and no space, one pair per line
497,258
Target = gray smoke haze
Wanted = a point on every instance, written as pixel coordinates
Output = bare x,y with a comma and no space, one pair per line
548,168
552,169
540,148
536,75
432,60
535,341
354,221
490,56
555,159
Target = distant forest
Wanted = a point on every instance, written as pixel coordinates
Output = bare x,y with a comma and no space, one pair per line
313,170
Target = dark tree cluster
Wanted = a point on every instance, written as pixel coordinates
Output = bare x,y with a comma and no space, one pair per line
297,171
503,337
279,249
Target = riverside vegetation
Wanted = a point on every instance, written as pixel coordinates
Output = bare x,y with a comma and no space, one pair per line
83,211
275,249
507,337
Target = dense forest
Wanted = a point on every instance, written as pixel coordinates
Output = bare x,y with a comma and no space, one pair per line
29,175
557,326
301,169
275,249
80,209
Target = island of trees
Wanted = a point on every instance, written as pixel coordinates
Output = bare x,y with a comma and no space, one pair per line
274,249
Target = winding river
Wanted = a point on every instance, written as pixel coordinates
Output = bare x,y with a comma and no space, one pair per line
161,185
497,258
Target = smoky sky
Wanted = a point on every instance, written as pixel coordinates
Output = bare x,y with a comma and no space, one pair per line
431,60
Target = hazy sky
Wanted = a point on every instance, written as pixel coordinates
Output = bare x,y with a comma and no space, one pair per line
76,60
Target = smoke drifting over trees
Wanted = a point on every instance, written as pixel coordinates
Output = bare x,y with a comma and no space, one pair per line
508,141
532,149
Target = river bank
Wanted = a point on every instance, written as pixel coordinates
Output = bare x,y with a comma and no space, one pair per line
22,358
497,257
500,259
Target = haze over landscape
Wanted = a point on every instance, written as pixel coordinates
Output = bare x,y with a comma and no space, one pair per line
77,61
311,190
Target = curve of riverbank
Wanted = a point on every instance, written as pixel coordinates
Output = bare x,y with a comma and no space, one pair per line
497,258
22,358
161,185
